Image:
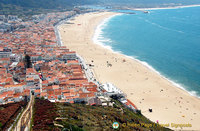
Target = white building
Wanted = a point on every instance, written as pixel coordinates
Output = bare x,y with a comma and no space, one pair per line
111,89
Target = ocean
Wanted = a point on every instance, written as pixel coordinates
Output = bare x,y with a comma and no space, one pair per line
165,40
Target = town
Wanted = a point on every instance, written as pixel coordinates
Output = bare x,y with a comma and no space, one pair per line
33,60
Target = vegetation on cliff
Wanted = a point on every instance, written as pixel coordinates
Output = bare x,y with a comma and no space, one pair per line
86,117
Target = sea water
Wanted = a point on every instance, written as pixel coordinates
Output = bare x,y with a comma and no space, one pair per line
165,40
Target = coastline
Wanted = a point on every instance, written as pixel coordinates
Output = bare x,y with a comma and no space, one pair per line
97,34
136,89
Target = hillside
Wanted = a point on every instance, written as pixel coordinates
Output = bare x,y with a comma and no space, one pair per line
30,7
60,4
9,112
85,117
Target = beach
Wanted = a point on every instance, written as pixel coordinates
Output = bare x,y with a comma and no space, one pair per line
143,86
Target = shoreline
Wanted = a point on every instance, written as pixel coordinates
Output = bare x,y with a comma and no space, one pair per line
137,87
97,34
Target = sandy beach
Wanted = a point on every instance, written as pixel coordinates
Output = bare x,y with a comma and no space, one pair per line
145,88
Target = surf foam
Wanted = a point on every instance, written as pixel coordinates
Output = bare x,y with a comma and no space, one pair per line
99,39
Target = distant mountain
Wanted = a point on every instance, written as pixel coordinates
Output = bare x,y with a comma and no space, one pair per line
46,4
30,7
56,4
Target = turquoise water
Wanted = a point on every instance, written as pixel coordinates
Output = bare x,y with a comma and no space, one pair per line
166,39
